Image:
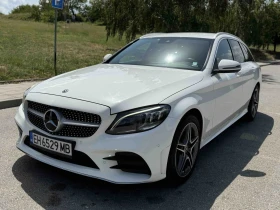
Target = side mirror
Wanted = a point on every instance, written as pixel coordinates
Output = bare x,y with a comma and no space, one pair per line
228,66
106,57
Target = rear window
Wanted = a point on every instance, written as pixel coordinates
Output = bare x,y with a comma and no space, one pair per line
247,54
172,52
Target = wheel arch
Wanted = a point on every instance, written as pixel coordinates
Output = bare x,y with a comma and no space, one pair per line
186,107
195,112
180,111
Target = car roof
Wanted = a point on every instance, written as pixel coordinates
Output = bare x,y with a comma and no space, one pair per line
188,34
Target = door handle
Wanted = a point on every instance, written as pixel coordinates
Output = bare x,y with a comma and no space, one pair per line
253,68
238,74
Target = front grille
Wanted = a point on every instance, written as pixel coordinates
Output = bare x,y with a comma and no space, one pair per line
67,113
67,130
78,158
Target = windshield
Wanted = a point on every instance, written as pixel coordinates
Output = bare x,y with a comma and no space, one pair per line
172,52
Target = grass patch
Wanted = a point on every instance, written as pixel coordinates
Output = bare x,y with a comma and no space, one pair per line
19,16
262,55
266,55
271,48
26,48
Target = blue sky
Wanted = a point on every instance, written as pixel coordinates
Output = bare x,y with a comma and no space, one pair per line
6,6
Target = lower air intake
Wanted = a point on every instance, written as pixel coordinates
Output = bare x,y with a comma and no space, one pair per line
130,162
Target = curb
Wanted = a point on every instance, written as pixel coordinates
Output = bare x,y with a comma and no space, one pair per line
21,80
262,65
267,64
10,103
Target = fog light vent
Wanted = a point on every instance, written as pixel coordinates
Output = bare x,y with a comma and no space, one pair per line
130,162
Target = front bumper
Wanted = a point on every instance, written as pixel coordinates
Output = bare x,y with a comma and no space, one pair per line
153,146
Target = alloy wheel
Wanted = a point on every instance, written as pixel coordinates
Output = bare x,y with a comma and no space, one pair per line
255,102
187,149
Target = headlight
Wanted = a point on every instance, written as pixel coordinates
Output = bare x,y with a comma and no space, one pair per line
139,120
25,94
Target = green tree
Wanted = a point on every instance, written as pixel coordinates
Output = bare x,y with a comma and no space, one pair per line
22,9
257,22
36,13
74,6
94,11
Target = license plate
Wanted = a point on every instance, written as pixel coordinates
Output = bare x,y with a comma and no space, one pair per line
52,145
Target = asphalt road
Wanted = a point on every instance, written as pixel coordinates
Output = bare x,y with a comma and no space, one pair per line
240,169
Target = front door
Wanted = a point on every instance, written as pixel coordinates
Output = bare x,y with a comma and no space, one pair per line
228,90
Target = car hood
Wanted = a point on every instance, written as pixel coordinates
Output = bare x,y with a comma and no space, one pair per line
120,87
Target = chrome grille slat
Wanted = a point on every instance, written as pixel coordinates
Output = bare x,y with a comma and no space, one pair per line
72,122
39,114
76,123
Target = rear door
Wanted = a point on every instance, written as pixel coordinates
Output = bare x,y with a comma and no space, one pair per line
245,75
250,72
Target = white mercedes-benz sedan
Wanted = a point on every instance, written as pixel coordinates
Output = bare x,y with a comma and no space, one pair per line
144,113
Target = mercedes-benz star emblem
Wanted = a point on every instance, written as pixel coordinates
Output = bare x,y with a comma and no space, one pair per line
52,120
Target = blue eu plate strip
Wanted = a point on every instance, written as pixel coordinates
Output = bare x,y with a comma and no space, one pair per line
31,136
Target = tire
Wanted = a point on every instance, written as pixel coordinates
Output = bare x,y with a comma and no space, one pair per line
253,105
184,151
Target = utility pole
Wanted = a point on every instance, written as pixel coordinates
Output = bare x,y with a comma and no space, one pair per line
55,35
56,4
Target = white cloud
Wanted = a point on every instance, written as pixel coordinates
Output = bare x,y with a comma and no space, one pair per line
6,6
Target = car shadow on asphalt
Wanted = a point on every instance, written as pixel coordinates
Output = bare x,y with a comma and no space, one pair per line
219,163
267,78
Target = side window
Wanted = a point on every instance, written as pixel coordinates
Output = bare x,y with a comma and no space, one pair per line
224,52
247,53
236,50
